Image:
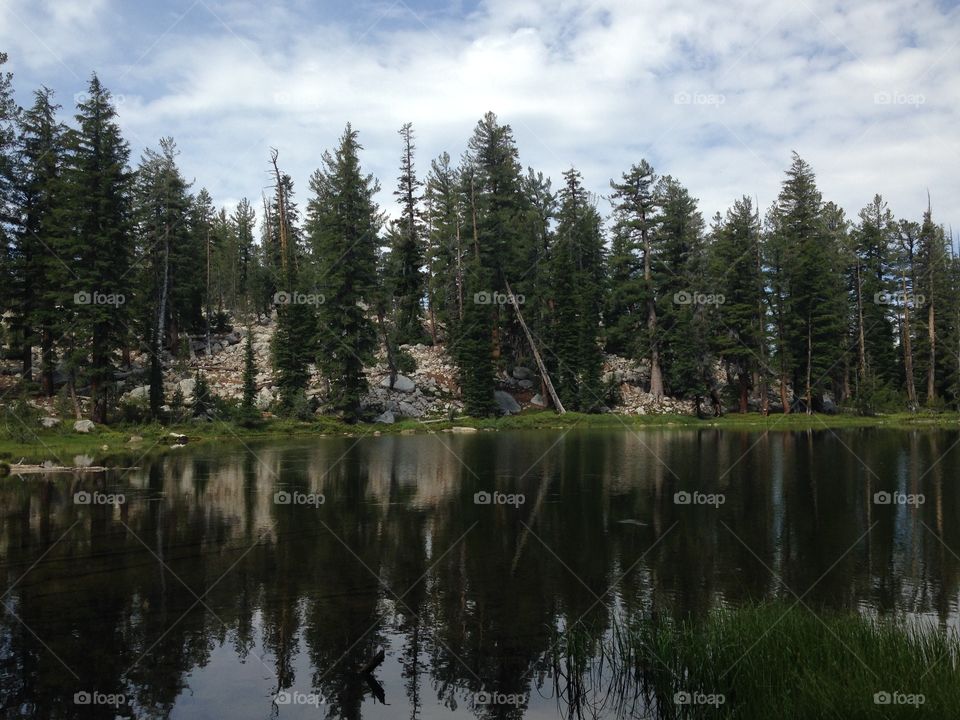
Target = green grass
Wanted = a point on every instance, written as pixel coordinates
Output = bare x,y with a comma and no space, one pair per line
62,443
770,661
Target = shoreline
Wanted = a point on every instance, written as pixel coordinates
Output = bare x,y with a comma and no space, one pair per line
120,441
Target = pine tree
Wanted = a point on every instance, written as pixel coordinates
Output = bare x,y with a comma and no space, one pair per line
809,285
683,302
872,289
342,223
932,282
406,257
736,274
242,221
39,273
202,405
535,283
635,219
835,296
294,340
99,249
473,342
9,213
445,245
248,406
201,222
905,252
951,339
577,275
161,211
492,186
625,311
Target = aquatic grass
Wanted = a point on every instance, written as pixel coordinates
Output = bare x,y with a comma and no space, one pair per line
775,661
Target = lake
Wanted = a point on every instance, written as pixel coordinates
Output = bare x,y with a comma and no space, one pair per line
228,581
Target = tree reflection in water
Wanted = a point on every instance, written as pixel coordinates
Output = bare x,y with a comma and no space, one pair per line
201,596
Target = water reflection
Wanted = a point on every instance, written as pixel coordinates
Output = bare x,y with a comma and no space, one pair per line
200,596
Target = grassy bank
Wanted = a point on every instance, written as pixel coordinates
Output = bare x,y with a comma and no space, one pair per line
770,661
112,443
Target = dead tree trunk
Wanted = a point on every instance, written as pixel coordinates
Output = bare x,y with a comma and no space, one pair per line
656,373
536,354
861,339
907,348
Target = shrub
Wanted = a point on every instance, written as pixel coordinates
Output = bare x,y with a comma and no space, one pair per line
134,410
405,362
19,421
202,400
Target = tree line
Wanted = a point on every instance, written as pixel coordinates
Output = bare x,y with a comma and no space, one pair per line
800,309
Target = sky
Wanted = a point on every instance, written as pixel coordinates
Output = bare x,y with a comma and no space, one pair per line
716,94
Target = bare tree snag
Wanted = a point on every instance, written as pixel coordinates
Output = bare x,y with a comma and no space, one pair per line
536,354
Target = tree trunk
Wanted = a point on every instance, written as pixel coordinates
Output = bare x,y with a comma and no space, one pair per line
26,359
72,389
809,389
208,295
656,374
762,384
861,339
433,322
907,348
715,402
391,359
46,362
783,368
744,391
932,335
156,355
459,273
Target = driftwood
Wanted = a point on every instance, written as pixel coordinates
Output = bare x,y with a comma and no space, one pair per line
44,469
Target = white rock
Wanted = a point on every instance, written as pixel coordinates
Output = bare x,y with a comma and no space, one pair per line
462,430
506,402
402,383
538,400
386,418
186,387
49,422
139,392
84,426
408,410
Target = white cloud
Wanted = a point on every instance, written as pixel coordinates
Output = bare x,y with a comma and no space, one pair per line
586,83
53,35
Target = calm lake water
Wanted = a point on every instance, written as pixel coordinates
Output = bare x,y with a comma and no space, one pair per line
237,582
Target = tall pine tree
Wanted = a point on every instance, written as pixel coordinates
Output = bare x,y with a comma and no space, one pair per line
577,295
406,279
100,246
735,272
39,272
810,286
635,216
161,211
343,224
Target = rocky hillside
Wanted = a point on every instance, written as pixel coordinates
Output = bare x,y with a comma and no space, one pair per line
430,390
